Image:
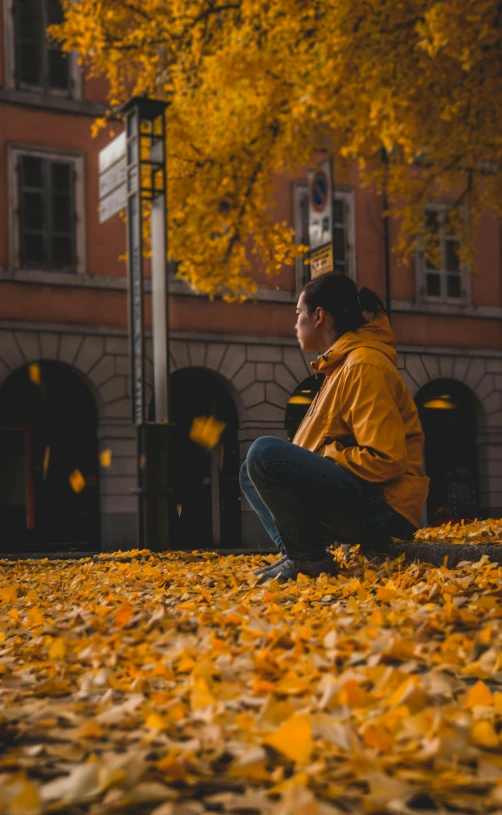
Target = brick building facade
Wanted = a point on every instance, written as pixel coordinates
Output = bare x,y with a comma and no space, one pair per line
63,305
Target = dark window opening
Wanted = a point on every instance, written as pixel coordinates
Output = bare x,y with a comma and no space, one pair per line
300,402
40,62
47,216
206,483
443,273
447,413
48,430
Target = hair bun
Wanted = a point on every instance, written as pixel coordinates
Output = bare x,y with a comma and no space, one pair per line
368,300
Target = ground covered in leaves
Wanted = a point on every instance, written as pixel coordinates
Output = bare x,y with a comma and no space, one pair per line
474,533
176,685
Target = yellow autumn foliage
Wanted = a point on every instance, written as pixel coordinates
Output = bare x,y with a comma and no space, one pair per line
259,90
175,684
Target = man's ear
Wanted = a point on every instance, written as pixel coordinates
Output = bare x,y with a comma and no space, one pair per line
319,316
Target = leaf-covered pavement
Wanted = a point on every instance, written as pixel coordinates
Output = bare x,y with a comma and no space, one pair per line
175,685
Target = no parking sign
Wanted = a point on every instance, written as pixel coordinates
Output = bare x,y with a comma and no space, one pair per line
321,218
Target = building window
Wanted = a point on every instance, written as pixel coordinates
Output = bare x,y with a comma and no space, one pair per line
343,214
442,279
47,210
35,62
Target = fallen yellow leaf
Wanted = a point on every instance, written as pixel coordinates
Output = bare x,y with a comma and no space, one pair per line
483,734
201,696
123,614
478,695
155,721
27,801
89,729
293,738
57,648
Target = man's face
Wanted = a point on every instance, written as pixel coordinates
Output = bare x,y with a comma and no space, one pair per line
306,327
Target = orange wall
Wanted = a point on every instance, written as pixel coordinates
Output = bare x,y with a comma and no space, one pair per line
65,132
105,243
109,308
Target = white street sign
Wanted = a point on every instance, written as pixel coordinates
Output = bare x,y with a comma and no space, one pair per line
320,205
113,152
112,178
113,203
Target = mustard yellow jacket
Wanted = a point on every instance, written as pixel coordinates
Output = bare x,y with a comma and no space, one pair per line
364,417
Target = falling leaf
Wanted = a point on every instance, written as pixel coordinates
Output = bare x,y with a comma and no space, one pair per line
105,458
45,466
34,373
293,738
206,431
77,481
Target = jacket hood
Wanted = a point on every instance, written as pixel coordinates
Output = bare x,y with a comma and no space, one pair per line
375,334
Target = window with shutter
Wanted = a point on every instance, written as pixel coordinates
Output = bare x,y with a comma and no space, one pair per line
40,64
442,279
46,213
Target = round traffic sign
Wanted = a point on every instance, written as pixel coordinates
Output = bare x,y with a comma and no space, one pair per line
319,191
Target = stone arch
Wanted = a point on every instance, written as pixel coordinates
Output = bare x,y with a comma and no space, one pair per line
197,355
205,482
482,374
449,412
475,372
89,355
51,423
102,362
260,376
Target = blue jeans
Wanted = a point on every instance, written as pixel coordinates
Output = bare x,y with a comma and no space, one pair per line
305,501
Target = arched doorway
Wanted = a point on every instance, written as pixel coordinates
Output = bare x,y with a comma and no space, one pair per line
48,430
206,484
448,414
299,403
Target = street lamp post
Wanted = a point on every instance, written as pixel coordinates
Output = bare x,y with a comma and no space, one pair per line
146,187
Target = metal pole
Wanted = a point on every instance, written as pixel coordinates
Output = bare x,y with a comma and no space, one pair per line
135,268
135,300
160,286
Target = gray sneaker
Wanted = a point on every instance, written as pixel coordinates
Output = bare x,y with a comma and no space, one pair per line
311,568
271,566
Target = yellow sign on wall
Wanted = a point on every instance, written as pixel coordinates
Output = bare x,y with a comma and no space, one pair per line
321,260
